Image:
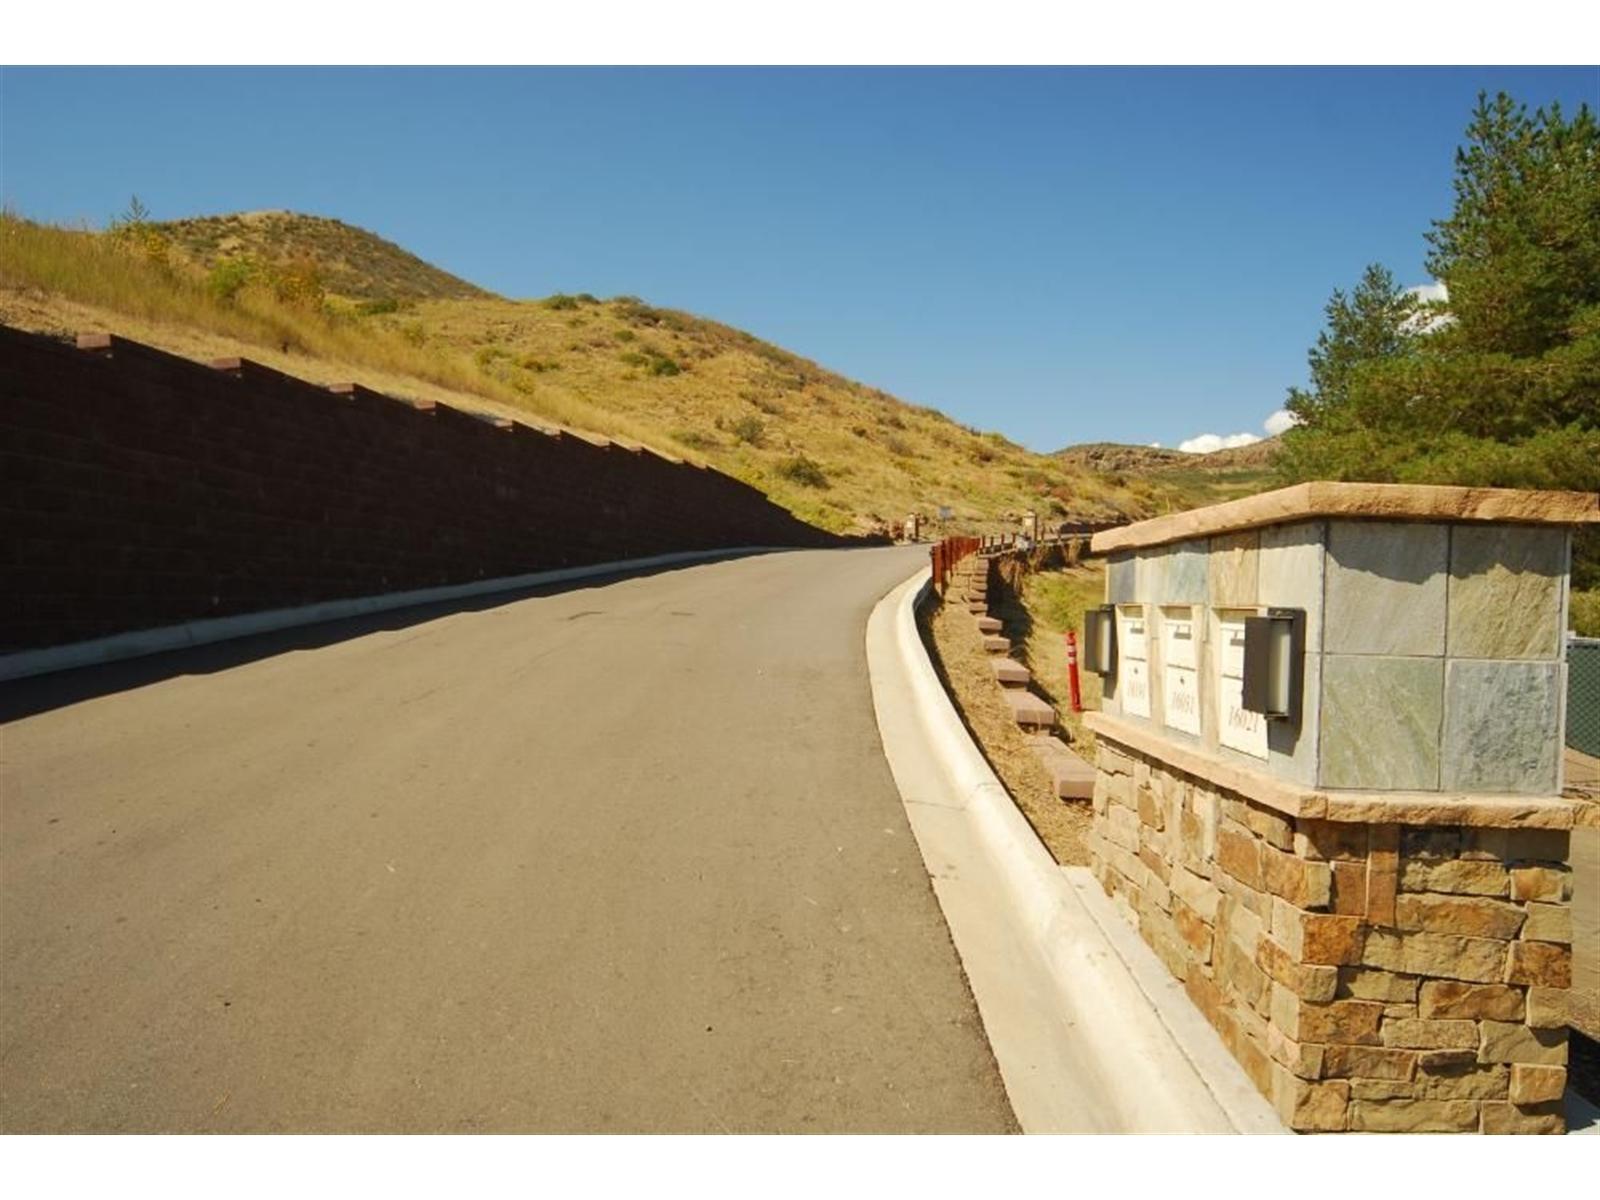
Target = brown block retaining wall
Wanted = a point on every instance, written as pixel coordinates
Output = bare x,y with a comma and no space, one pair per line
139,489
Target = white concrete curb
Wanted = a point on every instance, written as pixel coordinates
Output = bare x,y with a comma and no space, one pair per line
140,642
1091,1033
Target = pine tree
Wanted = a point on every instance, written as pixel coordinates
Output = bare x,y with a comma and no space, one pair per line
1502,384
1521,251
1505,390
1377,321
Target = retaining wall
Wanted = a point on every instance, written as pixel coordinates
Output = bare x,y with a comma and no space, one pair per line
1369,975
139,489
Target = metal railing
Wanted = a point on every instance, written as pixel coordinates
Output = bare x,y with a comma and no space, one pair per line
947,553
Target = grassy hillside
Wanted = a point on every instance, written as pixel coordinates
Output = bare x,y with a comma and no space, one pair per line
1118,456
1176,479
351,262
332,303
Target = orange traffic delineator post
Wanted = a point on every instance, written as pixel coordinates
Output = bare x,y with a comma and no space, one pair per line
1072,671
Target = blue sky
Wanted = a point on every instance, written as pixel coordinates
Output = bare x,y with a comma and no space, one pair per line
1063,255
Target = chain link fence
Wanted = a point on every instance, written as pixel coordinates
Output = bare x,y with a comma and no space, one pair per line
1583,695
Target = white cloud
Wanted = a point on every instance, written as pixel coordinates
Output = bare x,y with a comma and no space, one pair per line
1205,443
1282,420
1278,422
1435,293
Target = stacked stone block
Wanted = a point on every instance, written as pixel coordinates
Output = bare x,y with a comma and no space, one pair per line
1368,977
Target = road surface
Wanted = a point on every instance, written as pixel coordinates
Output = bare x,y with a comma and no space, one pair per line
623,857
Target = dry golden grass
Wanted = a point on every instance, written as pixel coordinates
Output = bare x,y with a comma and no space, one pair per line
1054,601
1583,612
956,648
835,452
68,281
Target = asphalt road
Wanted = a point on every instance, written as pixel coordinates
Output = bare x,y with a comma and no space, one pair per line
626,857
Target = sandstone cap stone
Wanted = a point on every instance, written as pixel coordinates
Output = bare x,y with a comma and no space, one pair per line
1352,805
1392,501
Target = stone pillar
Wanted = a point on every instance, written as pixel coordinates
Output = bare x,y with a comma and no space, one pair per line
1372,907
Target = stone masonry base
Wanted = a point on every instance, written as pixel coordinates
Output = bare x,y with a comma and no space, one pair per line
1367,977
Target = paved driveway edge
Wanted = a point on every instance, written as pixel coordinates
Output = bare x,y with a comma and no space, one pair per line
137,643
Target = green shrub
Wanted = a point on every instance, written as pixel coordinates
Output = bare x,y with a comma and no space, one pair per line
802,470
561,302
749,430
133,232
1583,613
228,278
636,311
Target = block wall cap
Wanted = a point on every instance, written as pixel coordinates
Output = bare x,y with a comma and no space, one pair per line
529,429
1358,807
1378,501
110,345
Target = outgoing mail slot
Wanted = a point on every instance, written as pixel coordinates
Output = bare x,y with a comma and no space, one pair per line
1131,631
1232,647
1237,727
1178,638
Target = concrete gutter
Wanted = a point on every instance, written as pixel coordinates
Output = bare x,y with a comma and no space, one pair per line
140,642
1091,1033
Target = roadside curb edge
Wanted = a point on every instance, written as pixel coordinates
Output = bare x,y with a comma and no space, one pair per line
1155,1061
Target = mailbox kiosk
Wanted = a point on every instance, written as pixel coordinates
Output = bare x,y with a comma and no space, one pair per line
1329,791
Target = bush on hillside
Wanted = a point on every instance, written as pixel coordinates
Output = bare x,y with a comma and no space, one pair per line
749,430
298,283
802,470
229,277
